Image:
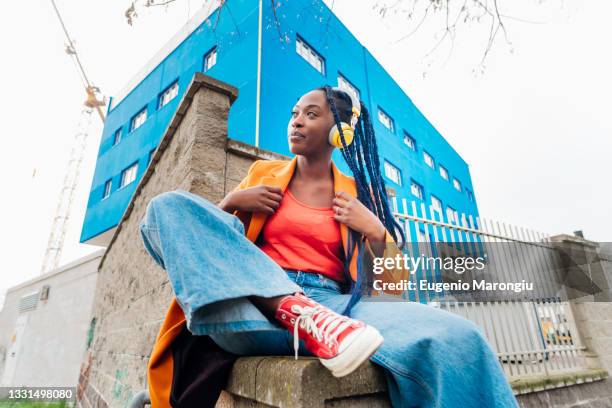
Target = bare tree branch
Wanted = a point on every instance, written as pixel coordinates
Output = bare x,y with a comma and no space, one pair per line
470,11
276,21
418,25
130,14
152,3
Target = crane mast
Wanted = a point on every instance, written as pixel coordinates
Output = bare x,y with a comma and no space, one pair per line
61,217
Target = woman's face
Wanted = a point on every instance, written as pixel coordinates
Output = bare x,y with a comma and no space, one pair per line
309,126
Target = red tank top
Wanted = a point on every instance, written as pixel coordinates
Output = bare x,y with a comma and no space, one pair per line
304,238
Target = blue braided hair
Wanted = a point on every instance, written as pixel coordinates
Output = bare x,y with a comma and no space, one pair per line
364,162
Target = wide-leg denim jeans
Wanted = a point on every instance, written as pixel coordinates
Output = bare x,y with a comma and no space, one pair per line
432,358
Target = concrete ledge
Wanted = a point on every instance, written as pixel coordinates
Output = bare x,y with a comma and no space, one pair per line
540,383
285,382
252,152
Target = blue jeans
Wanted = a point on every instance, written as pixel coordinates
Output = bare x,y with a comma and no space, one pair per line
432,358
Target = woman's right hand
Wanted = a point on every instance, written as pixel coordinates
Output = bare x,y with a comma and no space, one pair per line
264,199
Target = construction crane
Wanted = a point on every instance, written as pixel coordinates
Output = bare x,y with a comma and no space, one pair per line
92,100
66,197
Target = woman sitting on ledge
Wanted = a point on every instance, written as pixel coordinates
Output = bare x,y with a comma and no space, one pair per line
293,284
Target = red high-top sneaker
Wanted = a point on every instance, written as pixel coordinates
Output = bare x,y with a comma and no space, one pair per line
341,343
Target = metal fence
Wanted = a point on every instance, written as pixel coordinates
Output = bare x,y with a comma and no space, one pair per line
533,333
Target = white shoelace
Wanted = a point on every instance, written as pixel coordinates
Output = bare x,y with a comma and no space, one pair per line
308,322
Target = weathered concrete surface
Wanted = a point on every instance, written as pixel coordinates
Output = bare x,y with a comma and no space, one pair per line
594,395
285,382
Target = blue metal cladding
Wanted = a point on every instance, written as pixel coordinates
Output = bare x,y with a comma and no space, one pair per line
285,75
235,40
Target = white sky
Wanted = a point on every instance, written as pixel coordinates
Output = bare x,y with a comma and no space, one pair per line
533,127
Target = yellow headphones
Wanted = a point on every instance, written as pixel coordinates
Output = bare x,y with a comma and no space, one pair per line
348,130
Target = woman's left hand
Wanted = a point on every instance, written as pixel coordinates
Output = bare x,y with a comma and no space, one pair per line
352,213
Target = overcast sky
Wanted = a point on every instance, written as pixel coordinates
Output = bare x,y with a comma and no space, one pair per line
534,127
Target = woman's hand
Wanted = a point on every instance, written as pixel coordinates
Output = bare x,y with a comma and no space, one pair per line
352,213
264,199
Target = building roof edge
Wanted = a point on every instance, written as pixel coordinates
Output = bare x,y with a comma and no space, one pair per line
57,271
180,36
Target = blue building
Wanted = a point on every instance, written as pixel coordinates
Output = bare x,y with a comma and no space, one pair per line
272,55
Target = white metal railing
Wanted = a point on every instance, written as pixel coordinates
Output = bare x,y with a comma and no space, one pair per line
532,334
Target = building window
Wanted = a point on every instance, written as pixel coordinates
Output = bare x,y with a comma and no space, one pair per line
386,120
416,189
429,160
452,216
393,173
139,119
409,141
345,85
210,59
470,195
117,137
310,55
128,175
456,184
436,204
444,173
168,95
107,188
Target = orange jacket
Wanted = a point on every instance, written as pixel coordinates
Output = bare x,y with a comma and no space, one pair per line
272,173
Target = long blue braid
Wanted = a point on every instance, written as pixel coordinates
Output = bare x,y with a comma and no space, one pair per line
363,161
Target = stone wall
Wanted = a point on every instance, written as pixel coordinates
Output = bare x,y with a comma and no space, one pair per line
133,292
594,394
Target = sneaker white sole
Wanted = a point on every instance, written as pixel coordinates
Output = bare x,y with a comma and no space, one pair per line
355,354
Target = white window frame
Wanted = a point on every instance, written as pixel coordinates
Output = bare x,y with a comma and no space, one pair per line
412,144
429,160
310,55
457,184
346,85
108,186
139,119
416,190
436,204
386,120
117,136
393,173
210,59
128,175
443,172
168,95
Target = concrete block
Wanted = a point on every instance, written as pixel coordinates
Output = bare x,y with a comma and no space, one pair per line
285,382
